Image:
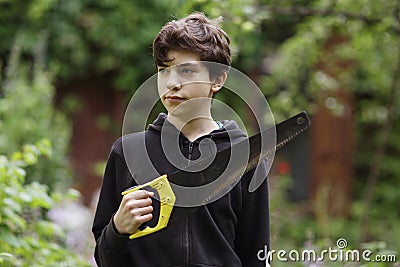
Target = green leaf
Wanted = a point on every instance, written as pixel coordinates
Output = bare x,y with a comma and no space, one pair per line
40,198
10,239
6,257
14,221
48,229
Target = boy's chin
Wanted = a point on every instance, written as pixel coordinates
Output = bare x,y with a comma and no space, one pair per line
191,109
186,114
181,112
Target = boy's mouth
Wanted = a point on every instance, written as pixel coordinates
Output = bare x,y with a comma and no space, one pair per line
174,98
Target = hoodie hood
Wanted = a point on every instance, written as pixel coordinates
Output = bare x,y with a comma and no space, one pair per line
229,131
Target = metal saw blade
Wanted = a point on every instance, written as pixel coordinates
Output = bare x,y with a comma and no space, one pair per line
285,132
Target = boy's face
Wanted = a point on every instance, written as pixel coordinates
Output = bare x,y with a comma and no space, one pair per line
185,82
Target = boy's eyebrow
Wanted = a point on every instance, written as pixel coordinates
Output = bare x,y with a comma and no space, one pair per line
181,65
188,64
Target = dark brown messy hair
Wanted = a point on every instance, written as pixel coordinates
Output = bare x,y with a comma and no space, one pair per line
197,34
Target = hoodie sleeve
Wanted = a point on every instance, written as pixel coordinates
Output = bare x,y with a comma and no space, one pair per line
111,247
253,231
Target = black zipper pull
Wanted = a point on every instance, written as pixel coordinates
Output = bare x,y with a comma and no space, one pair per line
190,150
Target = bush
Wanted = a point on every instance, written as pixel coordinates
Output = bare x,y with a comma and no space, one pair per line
28,237
27,114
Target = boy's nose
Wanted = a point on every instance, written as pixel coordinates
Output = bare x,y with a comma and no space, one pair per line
173,82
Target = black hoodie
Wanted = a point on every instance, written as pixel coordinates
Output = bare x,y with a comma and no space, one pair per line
227,232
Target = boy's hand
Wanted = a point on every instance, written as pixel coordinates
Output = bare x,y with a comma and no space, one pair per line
135,209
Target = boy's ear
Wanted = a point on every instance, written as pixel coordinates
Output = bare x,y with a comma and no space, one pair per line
219,82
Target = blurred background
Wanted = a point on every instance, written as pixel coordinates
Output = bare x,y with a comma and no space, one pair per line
69,68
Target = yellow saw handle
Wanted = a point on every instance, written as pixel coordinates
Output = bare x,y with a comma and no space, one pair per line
167,201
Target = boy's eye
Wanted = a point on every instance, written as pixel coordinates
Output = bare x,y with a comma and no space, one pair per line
187,71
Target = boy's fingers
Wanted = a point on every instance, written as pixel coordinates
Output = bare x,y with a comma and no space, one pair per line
145,218
139,212
139,194
138,203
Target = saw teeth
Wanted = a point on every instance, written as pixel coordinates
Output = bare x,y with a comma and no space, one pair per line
253,163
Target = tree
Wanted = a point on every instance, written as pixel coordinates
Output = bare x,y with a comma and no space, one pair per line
372,34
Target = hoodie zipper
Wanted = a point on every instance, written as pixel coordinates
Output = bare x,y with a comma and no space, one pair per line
190,151
186,240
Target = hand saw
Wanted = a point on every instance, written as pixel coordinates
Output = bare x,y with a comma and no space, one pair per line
285,132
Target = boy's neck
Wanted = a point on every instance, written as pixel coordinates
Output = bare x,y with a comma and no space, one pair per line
195,128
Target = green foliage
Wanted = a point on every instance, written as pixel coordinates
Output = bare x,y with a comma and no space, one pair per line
27,114
373,46
114,38
95,38
27,237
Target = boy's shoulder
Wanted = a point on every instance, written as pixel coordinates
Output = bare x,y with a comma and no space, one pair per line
232,129
128,139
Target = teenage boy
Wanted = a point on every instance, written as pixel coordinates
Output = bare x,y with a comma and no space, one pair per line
229,231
